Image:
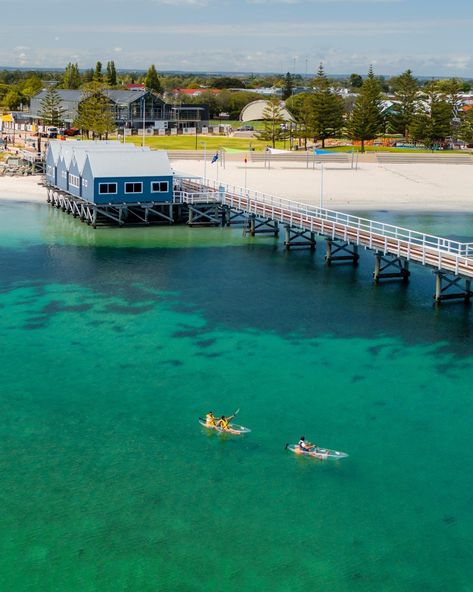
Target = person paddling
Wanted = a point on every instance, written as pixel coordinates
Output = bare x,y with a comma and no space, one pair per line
210,419
305,446
224,422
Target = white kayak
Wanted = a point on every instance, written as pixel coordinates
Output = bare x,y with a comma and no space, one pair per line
320,453
233,428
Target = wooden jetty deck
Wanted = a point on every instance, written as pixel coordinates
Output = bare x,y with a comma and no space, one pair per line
199,202
394,247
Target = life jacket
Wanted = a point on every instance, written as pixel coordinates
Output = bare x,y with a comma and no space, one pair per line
224,423
210,419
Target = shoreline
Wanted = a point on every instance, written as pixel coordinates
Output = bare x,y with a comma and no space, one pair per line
410,188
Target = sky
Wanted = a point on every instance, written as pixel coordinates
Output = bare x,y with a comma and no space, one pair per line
432,37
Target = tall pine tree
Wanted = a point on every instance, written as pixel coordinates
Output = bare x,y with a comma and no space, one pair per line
98,76
51,111
152,81
111,75
406,97
96,113
272,121
327,115
433,124
71,77
288,86
365,121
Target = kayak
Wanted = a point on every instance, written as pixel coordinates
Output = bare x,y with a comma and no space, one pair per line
320,453
232,429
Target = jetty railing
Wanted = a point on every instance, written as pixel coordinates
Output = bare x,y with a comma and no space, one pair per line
438,252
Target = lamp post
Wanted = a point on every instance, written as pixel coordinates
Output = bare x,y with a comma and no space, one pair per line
204,144
321,185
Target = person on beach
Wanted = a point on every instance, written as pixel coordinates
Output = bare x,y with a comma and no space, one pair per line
305,446
224,422
210,419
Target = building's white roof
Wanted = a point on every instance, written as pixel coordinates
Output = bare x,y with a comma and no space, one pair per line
66,151
254,111
132,164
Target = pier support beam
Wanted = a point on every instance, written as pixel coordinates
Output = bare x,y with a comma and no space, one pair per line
390,267
350,252
445,283
299,238
256,226
204,214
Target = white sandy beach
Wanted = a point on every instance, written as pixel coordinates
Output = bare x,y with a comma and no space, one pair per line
405,187
396,187
22,189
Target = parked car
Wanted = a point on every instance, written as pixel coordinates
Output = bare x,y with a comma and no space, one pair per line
71,131
51,132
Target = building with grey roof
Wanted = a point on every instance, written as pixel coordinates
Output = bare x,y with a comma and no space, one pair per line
132,109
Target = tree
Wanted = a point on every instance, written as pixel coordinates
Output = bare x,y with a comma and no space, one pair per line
98,76
356,81
152,81
12,99
111,75
406,97
71,77
466,128
365,120
288,86
327,109
272,121
30,87
51,112
301,107
433,124
227,82
96,112
88,76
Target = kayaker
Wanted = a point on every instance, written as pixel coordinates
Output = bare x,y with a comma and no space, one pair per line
305,446
224,422
210,419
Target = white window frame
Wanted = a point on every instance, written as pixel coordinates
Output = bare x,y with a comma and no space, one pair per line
85,183
159,190
134,183
74,181
109,192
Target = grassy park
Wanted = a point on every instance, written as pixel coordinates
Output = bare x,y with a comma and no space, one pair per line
244,144
197,143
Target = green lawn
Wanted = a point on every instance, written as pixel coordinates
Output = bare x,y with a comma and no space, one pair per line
212,142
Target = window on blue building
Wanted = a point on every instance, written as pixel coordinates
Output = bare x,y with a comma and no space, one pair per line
159,187
133,187
105,188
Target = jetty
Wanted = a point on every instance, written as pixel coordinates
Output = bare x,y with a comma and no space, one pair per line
108,183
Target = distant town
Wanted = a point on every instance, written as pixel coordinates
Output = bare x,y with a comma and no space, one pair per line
253,111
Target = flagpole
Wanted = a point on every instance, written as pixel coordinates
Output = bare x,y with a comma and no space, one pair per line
144,105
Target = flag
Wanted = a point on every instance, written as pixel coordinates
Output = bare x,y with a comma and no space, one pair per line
215,158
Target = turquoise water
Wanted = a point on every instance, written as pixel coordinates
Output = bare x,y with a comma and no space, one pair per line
113,342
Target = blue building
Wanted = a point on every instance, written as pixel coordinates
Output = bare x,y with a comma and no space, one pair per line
109,173
133,177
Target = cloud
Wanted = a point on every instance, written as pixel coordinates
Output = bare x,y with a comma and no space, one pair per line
272,2
278,30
